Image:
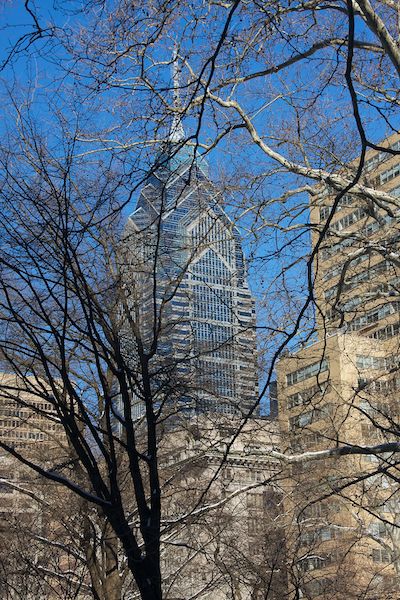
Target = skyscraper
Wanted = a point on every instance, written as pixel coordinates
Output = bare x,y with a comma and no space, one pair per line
193,301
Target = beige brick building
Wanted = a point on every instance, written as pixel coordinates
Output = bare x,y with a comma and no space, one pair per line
30,426
343,390
357,269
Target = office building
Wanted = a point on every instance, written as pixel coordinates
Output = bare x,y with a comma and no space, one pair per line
186,276
343,390
31,508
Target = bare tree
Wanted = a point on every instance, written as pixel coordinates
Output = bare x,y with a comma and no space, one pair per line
292,93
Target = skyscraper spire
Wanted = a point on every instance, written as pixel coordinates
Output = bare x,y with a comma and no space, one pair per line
176,132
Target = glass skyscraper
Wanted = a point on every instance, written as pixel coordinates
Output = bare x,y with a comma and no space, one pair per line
193,305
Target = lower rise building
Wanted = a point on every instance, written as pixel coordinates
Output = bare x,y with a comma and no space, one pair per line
222,525
343,539
34,511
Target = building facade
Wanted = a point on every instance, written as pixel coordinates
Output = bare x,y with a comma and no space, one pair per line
343,390
223,536
342,536
357,270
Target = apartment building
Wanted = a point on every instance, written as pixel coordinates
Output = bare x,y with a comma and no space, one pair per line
29,425
343,390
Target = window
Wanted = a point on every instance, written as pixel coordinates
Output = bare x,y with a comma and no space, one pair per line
376,159
334,272
379,555
349,241
305,441
255,501
324,534
256,476
387,332
373,315
306,372
228,474
215,334
306,418
324,212
346,200
305,396
371,163
315,562
334,248
370,362
212,304
395,192
216,341
212,232
254,525
217,378
348,220
314,511
210,268
366,275
389,174
377,529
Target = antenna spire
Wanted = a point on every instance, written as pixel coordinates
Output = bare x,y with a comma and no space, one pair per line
176,132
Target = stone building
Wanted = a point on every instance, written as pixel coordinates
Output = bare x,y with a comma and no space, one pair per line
222,534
